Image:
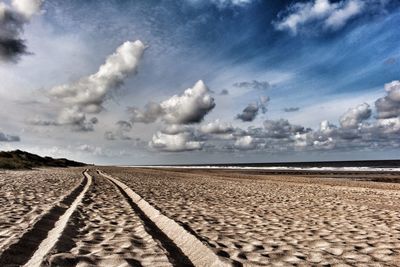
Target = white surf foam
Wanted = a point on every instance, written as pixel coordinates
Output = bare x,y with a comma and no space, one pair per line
338,169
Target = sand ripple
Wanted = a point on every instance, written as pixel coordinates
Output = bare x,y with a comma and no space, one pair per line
280,221
105,231
25,195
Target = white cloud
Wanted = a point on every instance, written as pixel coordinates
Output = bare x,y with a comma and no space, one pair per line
354,116
27,7
175,142
91,149
189,107
340,16
393,90
389,106
87,95
328,15
245,143
216,127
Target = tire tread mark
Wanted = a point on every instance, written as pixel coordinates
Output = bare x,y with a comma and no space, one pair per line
175,254
19,253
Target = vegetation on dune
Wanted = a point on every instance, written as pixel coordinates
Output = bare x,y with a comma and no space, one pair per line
23,160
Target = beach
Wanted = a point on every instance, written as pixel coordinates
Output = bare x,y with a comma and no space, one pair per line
124,216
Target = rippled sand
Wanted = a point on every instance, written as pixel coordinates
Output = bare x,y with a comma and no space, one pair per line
25,195
105,231
278,220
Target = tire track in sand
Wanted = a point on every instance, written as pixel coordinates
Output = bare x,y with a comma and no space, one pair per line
30,249
105,231
180,244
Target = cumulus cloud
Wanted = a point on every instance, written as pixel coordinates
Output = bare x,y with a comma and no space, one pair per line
87,95
245,143
282,128
190,107
216,127
356,130
389,106
250,112
354,116
122,128
152,111
179,142
8,138
256,85
291,109
324,13
12,21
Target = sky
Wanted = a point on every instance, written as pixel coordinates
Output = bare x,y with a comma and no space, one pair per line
200,81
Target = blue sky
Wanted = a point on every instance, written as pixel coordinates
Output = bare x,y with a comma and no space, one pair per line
284,67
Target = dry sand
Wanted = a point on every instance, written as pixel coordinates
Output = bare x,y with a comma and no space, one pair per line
106,231
26,195
246,218
278,220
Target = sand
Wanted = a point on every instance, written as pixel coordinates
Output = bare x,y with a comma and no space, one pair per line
260,220
26,195
106,231
56,217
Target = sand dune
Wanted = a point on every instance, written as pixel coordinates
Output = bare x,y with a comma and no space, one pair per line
282,220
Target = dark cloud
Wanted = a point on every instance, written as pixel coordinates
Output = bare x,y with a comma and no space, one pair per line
9,138
291,109
250,112
282,128
12,21
224,92
256,85
42,122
